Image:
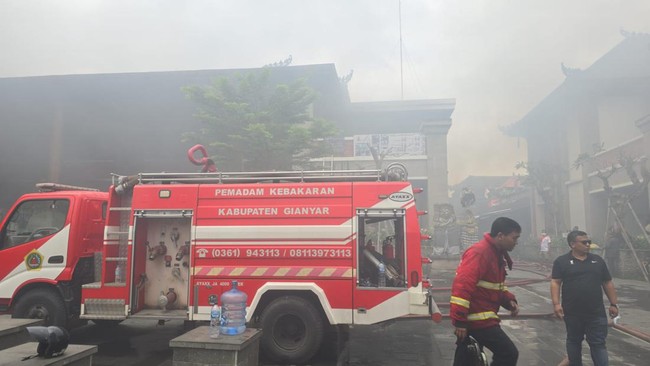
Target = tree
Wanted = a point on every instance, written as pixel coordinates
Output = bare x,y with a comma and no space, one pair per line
635,169
547,180
377,156
252,124
621,203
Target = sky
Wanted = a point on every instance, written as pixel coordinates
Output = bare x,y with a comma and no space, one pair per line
496,58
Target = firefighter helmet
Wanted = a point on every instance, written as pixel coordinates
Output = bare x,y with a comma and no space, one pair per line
476,353
52,341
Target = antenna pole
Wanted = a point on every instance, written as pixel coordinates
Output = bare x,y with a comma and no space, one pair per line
401,67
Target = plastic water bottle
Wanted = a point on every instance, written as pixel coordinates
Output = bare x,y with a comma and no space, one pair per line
215,321
119,273
233,306
381,275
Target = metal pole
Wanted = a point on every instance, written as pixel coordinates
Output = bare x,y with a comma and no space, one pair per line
629,244
636,218
645,234
401,67
609,205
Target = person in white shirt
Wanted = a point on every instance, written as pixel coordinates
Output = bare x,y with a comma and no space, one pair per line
545,246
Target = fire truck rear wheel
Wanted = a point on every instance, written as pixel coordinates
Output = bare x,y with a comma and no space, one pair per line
41,303
292,330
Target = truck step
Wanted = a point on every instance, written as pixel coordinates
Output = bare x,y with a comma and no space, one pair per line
104,309
116,259
120,209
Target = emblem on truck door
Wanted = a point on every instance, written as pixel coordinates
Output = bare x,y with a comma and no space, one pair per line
34,260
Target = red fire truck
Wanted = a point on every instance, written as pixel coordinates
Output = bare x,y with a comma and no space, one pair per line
306,247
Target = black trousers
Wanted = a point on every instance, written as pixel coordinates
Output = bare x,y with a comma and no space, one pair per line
504,352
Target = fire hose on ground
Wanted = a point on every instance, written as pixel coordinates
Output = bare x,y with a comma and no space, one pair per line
623,328
631,331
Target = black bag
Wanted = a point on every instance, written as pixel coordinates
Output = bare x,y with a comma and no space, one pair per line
469,353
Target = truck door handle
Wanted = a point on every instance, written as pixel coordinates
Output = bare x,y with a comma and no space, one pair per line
55,259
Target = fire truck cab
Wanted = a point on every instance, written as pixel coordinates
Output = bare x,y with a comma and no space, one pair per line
306,248
47,244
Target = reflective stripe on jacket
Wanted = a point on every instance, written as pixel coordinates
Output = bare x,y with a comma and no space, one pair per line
479,287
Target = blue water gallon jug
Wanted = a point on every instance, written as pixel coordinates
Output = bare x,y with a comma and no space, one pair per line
233,311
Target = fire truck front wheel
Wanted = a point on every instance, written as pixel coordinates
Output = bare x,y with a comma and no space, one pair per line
292,330
41,303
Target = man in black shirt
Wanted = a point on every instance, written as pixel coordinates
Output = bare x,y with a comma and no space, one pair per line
581,276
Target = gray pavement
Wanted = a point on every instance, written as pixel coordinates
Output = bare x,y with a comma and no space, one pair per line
133,342
540,338
408,342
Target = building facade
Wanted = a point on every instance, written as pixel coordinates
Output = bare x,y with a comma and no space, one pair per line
78,129
593,131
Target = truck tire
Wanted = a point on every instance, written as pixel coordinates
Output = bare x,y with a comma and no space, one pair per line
292,330
41,303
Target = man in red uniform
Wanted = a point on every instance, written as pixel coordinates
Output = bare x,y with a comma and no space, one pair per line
479,290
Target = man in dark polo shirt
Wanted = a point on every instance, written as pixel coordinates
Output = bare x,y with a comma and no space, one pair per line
583,277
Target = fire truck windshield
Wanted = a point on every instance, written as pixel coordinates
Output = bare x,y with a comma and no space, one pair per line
33,220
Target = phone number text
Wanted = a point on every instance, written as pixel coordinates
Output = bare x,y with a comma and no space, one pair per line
282,253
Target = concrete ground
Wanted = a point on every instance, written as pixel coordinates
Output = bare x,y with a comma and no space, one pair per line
540,338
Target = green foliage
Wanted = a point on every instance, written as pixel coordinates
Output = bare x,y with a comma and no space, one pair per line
506,195
252,124
639,242
581,160
541,175
548,181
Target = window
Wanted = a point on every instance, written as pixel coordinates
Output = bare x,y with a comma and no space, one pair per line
381,240
34,220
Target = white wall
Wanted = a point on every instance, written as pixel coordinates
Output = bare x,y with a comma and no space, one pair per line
616,116
576,206
573,137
